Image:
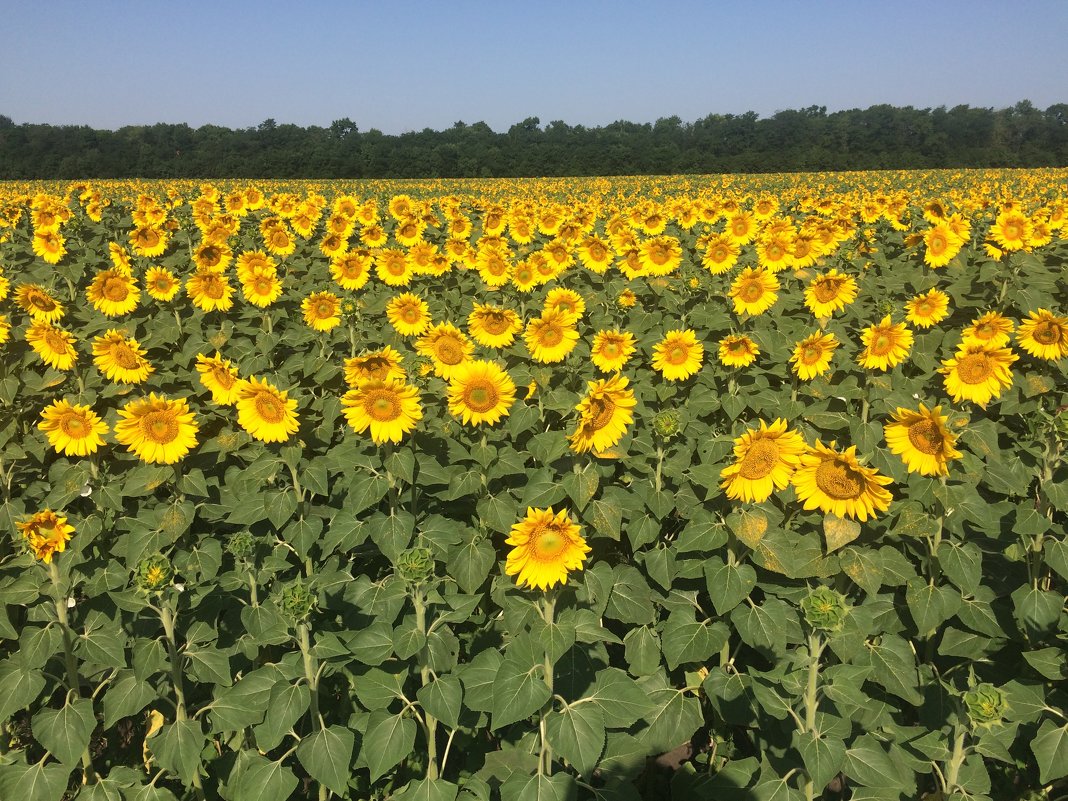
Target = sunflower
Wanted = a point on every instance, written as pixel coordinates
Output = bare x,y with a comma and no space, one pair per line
54,345
612,349
604,414
322,310
46,534
261,286
37,302
5,329
148,241
113,292
390,409
922,440
660,255
392,267
978,373
352,268
158,430
678,355
764,460
627,299
210,291
121,359
493,265
545,546
72,430
277,239
942,245
447,347
737,350
595,254
408,314
885,345
219,376
525,276
830,292
1011,230
161,284
49,246
741,228
266,412
480,392
493,327
378,365
754,291
990,328
836,483
551,337
812,355
563,300
721,254
926,309
1044,335
212,256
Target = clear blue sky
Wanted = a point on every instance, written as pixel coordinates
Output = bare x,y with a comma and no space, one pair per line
407,66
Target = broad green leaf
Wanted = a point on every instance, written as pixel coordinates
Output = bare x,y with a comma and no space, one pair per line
264,780
620,699
728,585
642,651
577,733
675,717
126,697
39,782
686,641
65,732
1050,748
244,703
327,755
443,698
286,705
839,532
823,758
930,604
377,688
559,787
19,686
893,665
962,564
518,692
429,790
391,737
177,748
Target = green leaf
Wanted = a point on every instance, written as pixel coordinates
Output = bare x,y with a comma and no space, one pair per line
630,601
1037,611
210,665
518,692
894,667
839,532
264,780
675,717
577,734
642,651
392,737
377,688
620,699
38,782
65,732
686,641
559,787
471,563
392,533
286,705
19,686
443,698
374,644
930,605
429,790
126,697
1050,748
327,755
868,764
245,703
823,758
728,585
177,748
962,564
759,627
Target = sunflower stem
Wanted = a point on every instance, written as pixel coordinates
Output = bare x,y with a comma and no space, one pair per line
815,650
73,681
430,722
659,481
166,617
545,757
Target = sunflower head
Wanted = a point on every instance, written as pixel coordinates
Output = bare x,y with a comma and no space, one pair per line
546,546
46,534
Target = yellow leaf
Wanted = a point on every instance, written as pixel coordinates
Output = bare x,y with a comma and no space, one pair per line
155,723
751,528
839,532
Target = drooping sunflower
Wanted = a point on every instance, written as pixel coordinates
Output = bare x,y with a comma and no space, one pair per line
754,291
678,355
161,284
390,409
830,292
978,373
210,291
812,355
836,483
1044,335
991,329
885,345
551,337
611,350
764,460
737,350
604,414
120,358
266,412
322,311
447,347
158,430
54,345
922,440
408,314
352,268
113,292
46,534
377,365
38,302
219,376
927,308
545,547
493,327
72,429
480,392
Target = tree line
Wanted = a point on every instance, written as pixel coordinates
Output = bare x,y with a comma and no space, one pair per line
879,137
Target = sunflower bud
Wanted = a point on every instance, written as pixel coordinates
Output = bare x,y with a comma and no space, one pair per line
667,424
415,565
825,609
986,705
297,600
241,545
154,573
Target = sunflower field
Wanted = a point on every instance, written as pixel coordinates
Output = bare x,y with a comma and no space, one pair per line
739,487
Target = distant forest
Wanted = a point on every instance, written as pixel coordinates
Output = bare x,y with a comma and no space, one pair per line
879,137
